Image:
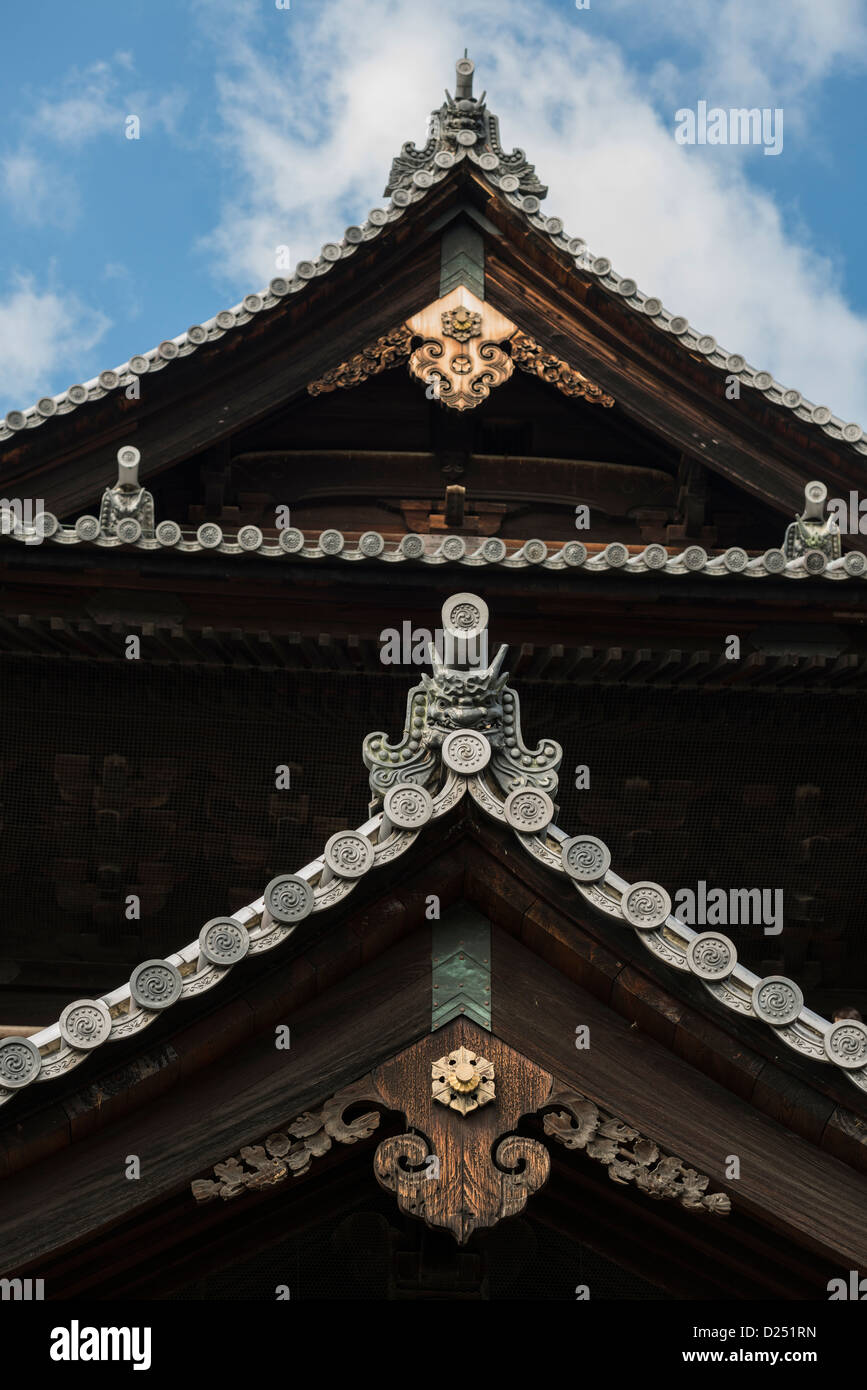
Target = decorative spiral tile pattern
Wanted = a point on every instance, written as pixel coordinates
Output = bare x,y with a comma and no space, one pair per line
155,984
534,551
250,538
168,533
289,898
223,941
209,535
736,559
711,956
528,810
371,544
453,548
655,556
46,525
348,854
412,547
585,858
85,1023
694,557
846,1043
20,1062
465,615
87,528
494,550
291,540
574,553
777,1000
128,530
408,806
645,905
615,555
331,542
466,752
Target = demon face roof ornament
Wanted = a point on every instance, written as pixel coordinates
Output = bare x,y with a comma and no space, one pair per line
462,123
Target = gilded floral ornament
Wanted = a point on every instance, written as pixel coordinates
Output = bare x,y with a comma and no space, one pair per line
462,1080
461,324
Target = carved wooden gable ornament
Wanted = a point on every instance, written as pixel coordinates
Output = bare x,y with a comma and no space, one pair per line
467,349
463,1168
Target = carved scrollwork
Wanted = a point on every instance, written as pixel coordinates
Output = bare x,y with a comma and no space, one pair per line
291,1150
393,347
530,357
461,379
525,1165
403,1165
577,1123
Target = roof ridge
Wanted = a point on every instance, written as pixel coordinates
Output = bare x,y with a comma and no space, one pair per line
462,733
461,129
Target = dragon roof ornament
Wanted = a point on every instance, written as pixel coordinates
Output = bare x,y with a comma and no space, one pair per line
463,718
813,533
462,736
462,123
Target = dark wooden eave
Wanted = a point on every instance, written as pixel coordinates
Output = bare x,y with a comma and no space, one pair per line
254,613
203,399
356,990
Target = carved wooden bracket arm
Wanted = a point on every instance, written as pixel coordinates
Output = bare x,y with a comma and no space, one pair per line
464,1169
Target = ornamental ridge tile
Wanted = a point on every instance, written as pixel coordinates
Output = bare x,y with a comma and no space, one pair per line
462,735
470,551
461,129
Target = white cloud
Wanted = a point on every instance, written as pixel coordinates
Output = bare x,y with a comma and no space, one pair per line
36,192
95,101
310,153
741,51
41,332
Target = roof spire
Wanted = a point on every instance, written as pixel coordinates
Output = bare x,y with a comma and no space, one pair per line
463,128
464,69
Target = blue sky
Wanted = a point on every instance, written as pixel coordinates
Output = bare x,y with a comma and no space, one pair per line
263,126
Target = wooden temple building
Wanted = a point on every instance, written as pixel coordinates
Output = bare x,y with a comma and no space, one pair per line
329,970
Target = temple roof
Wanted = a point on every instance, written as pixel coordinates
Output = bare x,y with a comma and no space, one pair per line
464,133
462,737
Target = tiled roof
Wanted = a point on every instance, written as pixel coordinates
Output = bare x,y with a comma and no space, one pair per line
472,551
458,751
461,130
